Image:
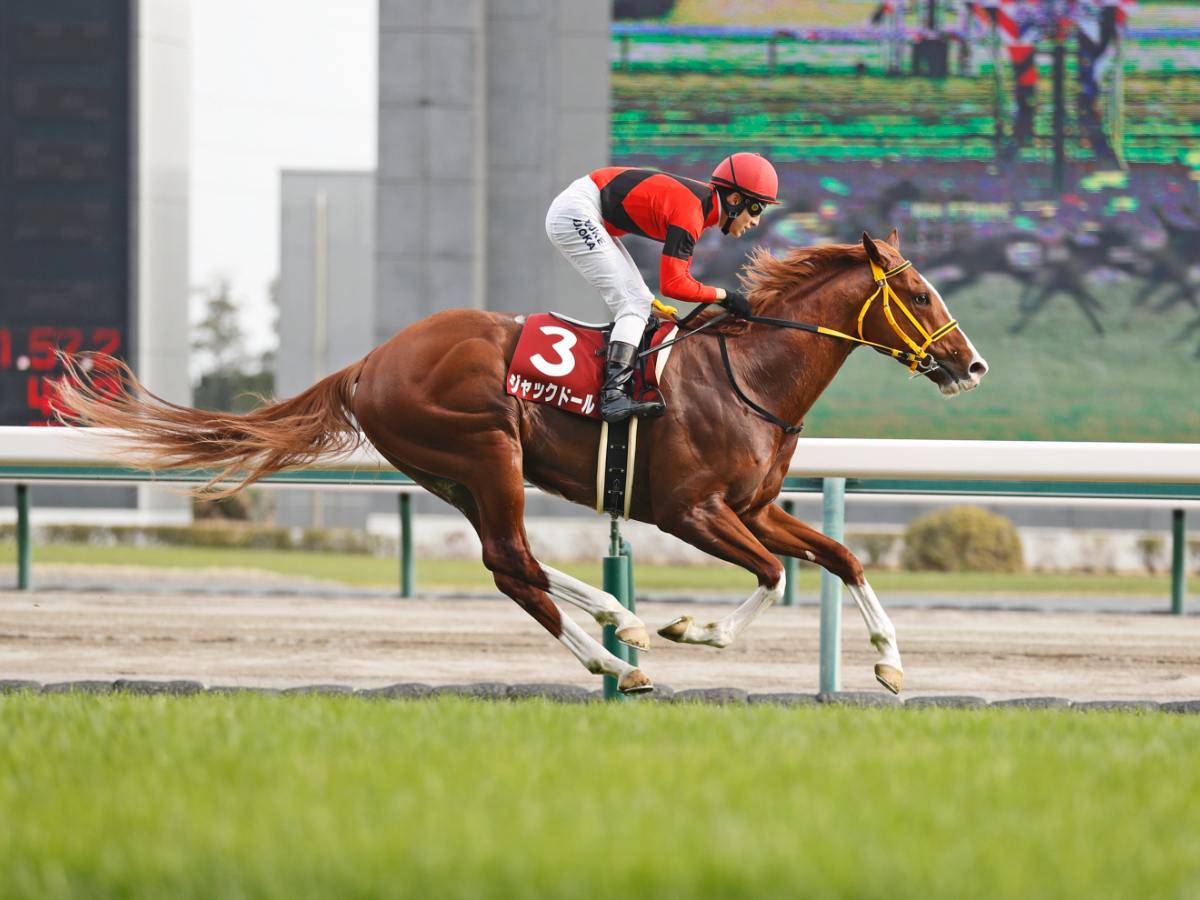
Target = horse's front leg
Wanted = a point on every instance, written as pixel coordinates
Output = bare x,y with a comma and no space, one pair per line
787,536
714,528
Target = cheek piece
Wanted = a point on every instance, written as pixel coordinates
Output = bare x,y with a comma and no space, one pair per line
732,212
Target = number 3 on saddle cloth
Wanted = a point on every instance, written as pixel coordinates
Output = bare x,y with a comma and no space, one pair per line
560,361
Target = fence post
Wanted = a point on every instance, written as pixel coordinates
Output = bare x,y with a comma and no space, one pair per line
1179,562
615,583
831,588
24,541
408,565
791,565
631,653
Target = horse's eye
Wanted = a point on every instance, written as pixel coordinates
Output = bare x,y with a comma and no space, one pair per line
921,299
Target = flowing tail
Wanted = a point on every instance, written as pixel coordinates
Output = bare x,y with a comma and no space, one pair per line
104,393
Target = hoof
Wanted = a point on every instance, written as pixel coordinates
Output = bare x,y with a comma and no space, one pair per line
635,681
889,676
635,636
675,630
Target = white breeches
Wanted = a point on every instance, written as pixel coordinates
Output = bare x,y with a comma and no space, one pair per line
576,227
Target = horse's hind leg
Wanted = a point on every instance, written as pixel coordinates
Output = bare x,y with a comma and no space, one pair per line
496,508
595,659
533,600
600,605
506,553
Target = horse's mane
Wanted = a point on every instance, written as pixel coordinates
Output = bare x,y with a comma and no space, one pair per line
767,278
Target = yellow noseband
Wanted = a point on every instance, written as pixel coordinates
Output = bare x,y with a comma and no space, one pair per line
918,354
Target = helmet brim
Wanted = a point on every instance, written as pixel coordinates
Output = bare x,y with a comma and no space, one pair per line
721,182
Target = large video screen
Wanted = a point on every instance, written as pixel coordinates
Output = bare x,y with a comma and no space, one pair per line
1040,158
64,193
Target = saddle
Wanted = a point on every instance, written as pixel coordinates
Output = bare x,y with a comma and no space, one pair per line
560,361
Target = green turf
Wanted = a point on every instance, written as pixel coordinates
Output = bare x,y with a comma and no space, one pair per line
448,574
326,797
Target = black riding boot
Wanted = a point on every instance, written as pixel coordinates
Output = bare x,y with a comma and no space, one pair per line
616,396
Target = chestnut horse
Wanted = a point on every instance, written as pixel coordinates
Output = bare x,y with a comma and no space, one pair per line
433,402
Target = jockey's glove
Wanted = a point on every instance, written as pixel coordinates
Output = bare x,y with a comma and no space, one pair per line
736,303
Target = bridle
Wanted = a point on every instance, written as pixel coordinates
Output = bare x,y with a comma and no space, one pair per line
917,356
921,361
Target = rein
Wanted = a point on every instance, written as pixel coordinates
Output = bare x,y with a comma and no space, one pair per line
920,361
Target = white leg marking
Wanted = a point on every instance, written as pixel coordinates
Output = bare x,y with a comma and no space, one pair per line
601,606
722,633
595,658
879,626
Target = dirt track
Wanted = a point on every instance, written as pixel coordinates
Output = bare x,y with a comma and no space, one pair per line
287,641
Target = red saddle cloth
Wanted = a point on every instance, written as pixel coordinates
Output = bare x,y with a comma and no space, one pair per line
560,363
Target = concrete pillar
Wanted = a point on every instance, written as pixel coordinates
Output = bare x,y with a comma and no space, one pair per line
548,124
430,209
487,109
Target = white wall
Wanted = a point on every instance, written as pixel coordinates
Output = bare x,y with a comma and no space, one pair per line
585,539
162,278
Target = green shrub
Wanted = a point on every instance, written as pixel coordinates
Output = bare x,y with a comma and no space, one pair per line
870,548
963,539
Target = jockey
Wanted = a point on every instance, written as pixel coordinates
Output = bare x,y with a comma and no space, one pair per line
586,221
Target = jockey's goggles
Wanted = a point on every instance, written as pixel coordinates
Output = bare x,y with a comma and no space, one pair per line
748,204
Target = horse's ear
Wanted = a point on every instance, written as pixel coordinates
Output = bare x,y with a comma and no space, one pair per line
893,239
873,253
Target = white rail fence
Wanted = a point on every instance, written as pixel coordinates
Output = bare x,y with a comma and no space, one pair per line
1026,471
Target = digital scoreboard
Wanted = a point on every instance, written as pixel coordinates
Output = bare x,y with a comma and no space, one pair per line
66,129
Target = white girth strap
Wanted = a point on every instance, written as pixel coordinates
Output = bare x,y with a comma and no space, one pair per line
630,454
600,467
629,465
660,365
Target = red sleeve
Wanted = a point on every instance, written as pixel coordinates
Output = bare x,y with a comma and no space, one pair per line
674,275
676,281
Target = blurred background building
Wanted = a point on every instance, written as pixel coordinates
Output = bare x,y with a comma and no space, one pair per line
487,110
326,308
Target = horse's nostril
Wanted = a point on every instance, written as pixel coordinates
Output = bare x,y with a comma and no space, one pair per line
978,368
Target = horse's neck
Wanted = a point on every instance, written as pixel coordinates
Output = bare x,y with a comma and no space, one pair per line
798,364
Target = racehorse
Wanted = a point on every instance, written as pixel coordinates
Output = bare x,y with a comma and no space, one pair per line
433,402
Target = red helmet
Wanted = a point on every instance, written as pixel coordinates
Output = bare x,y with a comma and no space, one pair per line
749,174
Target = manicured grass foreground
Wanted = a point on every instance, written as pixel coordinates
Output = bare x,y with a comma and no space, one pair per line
300,797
